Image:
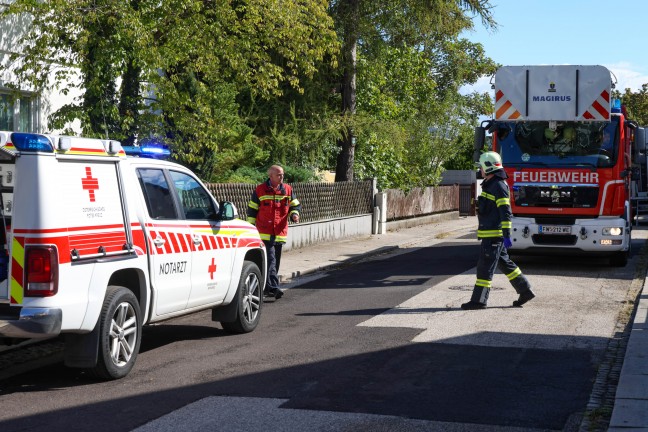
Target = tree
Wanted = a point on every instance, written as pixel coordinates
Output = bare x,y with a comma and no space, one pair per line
173,69
636,103
431,27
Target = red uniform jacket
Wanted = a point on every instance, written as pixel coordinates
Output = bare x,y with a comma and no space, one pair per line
269,209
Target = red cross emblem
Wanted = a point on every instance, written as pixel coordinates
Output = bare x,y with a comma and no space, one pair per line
90,184
212,269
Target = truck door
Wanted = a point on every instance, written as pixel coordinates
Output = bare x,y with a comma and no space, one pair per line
169,242
212,248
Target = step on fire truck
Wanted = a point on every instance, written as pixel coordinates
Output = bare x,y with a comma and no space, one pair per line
94,244
571,156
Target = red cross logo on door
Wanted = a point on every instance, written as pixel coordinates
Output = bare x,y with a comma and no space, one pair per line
90,184
212,269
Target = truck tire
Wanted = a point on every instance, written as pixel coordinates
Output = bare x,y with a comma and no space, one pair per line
620,259
249,299
120,334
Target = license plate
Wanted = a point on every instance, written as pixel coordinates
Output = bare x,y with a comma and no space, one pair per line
555,229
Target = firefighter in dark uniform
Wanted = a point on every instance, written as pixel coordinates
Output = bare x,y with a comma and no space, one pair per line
494,231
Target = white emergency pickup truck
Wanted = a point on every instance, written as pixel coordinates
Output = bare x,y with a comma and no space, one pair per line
94,244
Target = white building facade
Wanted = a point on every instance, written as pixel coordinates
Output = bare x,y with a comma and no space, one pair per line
27,109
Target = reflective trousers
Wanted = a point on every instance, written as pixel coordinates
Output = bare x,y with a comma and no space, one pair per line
493,255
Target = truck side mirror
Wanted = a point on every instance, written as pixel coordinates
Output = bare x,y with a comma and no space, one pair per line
227,211
480,138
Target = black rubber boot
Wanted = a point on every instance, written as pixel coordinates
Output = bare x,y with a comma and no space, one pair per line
524,297
471,305
478,299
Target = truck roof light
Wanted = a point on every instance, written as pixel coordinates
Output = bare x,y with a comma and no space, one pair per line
616,105
149,150
64,144
31,142
112,147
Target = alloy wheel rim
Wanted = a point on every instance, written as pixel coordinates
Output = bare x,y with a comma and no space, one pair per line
252,298
123,334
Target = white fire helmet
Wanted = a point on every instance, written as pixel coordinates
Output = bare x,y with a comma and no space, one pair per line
490,162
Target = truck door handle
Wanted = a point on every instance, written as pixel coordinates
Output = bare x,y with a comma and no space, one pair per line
197,240
159,241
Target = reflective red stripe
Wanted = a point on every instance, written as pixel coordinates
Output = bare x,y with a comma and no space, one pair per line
600,109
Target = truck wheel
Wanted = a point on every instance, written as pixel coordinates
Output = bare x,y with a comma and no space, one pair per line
620,259
250,299
120,334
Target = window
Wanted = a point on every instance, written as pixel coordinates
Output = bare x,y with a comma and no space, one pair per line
157,194
25,115
196,201
17,113
6,113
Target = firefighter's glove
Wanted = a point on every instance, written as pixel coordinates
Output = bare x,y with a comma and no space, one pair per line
507,242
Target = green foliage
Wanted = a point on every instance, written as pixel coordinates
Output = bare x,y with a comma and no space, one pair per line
476,105
409,69
300,175
409,64
380,156
255,176
182,65
243,175
399,105
236,86
636,103
295,131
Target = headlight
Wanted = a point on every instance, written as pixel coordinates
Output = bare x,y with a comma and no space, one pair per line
615,231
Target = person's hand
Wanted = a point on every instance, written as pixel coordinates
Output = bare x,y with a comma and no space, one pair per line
507,242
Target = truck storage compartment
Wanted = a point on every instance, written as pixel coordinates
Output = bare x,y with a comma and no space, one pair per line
7,176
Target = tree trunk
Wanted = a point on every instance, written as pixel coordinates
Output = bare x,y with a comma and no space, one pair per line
344,168
129,99
129,102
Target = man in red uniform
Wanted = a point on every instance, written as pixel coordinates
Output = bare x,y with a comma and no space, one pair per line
272,203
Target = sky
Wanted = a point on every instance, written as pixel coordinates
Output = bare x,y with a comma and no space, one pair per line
569,32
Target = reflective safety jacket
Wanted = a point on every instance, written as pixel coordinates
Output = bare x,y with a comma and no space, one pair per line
494,208
269,209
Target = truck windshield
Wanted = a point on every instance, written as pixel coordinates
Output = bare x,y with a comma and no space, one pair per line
593,144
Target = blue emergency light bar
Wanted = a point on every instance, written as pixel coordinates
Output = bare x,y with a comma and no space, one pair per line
31,142
149,150
616,106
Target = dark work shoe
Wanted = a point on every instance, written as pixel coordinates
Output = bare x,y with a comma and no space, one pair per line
268,293
278,293
524,297
472,305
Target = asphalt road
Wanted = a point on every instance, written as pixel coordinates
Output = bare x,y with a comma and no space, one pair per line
383,337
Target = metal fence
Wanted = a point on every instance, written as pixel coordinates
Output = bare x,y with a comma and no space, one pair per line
324,201
320,201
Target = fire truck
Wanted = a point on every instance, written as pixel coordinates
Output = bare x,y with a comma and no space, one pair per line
571,156
95,243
